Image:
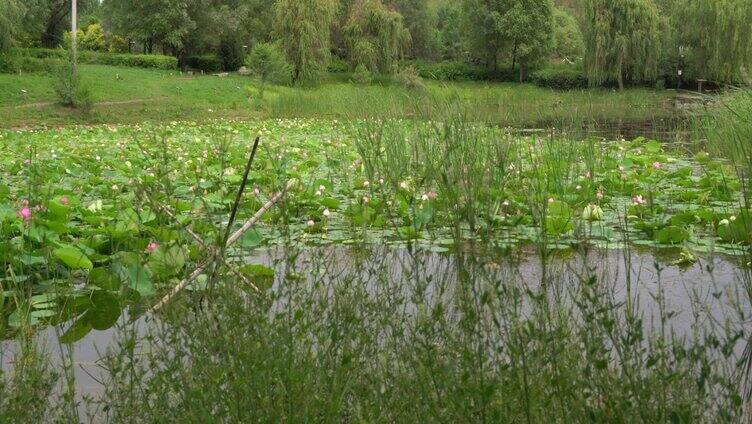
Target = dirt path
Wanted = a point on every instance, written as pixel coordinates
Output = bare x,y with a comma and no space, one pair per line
116,103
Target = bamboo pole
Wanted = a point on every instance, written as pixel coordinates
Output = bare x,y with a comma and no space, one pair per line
233,238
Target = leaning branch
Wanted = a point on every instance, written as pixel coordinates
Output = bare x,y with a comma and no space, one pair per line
230,241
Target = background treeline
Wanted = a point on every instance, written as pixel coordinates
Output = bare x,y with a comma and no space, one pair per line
562,43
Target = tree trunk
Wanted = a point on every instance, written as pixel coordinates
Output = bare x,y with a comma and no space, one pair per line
295,75
522,72
620,74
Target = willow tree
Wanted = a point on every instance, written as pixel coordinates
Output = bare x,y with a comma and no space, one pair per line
376,35
715,37
11,12
304,28
621,40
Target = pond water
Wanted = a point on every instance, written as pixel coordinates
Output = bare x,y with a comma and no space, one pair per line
712,290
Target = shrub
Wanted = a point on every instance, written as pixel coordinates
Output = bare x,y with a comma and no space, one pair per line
206,62
268,62
71,91
409,78
452,70
362,75
337,65
118,44
113,59
231,53
34,65
8,62
129,60
560,78
93,39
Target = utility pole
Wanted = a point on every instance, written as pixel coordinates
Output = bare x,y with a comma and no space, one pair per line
74,41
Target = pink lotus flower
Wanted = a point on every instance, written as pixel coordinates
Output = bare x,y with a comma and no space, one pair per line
657,165
25,213
638,200
432,195
152,246
64,200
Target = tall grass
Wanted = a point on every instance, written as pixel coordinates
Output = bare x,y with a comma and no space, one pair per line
497,104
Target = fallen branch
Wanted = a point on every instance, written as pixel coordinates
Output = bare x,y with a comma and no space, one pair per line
251,222
230,241
213,251
177,289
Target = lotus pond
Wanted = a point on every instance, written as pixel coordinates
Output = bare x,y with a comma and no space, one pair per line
83,231
399,252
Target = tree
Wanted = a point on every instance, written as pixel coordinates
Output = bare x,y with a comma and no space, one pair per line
420,20
527,26
567,36
268,62
163,23
10,22
304,28
376,35
10,17
93,38
449,27
621,40
45,21
715,36
517,30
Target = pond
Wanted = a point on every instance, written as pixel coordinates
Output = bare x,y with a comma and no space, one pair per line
707,297
392,218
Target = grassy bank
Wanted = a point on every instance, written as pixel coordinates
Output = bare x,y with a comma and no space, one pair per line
128,95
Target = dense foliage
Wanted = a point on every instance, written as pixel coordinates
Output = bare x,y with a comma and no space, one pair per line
619,42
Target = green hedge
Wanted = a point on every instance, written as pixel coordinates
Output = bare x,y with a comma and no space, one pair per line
206,62
113,59
560,78
457,70
36,65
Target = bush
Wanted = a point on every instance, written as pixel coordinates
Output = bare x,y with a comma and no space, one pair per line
458,70
452,70
34,65
113,59
93,39
362,75
560,78
268,62
337,65
8,62
152,61
231,53
409,78
206,62
71,91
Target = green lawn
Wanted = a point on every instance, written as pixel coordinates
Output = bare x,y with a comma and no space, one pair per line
130,95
